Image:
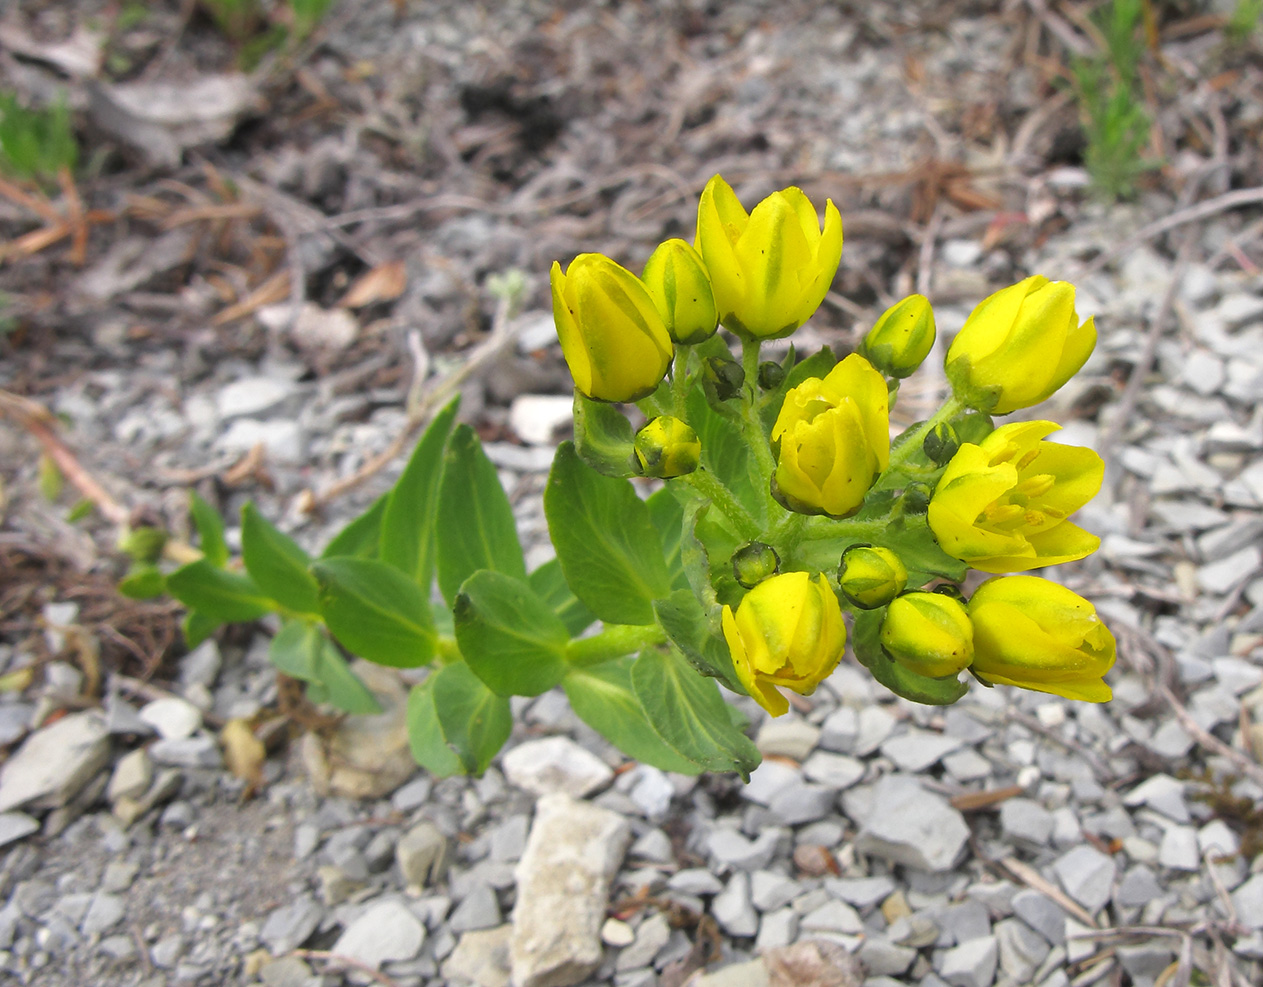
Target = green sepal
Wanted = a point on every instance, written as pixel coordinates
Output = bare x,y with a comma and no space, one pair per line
376,611
602,696
360,538
456,725
973,426
866,642
210,530
409,516
476,529
510,638
605,540
222,594
689,714
603,437
981,398
277,564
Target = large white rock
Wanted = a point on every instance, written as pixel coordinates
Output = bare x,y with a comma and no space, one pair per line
556,764
563,885
386,931
911,826
54,763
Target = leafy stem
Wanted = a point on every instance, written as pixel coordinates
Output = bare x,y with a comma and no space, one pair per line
613,642
705,483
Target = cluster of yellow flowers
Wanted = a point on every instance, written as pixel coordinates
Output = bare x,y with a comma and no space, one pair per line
999,504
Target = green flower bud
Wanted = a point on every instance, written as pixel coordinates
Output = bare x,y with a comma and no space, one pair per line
667,447
723,377
771,375
916,498
902,338
940,443
680,287
755,562
145,545
870,576
929,634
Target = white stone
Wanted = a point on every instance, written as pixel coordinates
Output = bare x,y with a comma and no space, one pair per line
252,396
535,418
971,964
173,718
768,780
787,737
55,762
563,882
835,770
1248,902
1026,819
733,909
16,825
481,958
132,776
1163,793
917,750
555,764
386,931
1178,849
911,826
1087,875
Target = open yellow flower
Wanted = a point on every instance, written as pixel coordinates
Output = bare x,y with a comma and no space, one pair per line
834,435
787,632
771,268
612,335
1038,635
1001,505
1019,346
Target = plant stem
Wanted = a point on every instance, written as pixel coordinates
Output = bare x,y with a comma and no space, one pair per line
750,422
613,642
894,474
705,483
679,381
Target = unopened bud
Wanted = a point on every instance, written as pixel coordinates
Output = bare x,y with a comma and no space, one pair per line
771,375
870,576
680,287
916,498
755,562
724,376
940,443
902,338
667,447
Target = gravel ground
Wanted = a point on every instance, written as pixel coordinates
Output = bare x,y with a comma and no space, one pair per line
1014,839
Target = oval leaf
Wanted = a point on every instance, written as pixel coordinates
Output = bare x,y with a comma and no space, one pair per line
603,437
210,530
376,611
219,594
549,584
607,545
509,636
276,563
455,723
361,536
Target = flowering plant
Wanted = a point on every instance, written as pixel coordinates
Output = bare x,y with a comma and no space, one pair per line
782,505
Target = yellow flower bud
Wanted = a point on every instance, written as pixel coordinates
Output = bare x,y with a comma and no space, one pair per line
834,435
788,632
871,576
680,287
667,447
770,268
1038,635
1002,505
1019,346
928,633
611,333
902,338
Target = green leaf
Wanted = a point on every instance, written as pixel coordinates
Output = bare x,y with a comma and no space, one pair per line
221,594
603,437
143,583
81,508
726,455
455,723
511,638
361,536
476,529
602,696
376,611
549,584
606,543
277,564
667,516
210,530
866,642
698,636
197,627
690,715
408,524
301,651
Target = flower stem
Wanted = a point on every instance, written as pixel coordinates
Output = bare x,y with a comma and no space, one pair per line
613,642
895,473
679,381
750,422
704,482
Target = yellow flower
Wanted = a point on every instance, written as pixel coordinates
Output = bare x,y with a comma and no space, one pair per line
680,287
1002,505
928,633
1018,346
834,435
871,576
771,268
787,632
611,333
1038,635
902,338
667,447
